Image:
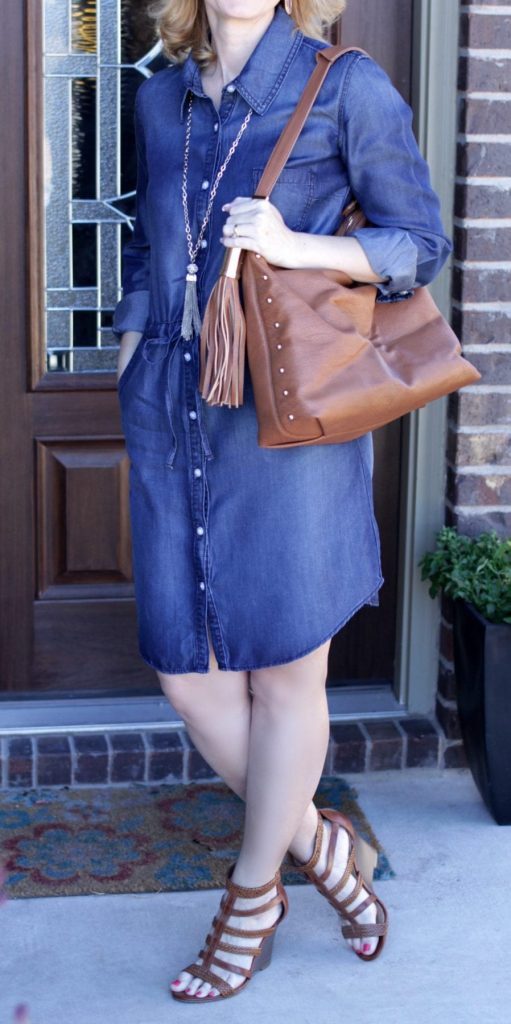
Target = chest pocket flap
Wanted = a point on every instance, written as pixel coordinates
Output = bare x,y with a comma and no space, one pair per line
292,194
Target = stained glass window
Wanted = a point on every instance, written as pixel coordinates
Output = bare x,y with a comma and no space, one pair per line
96,53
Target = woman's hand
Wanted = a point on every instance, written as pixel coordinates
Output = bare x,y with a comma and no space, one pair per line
261,227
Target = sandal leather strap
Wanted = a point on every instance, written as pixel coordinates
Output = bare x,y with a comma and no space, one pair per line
200,971
227,947
248,892
241,934
310,864
214,943
351,929
343,904
235,968
372,898
346,875
359,931
258,909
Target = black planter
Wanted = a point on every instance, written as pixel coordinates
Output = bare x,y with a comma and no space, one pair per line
482,660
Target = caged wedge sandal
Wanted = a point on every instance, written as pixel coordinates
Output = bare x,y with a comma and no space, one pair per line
361,863
261,952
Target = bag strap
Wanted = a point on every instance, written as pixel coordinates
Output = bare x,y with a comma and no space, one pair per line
282,148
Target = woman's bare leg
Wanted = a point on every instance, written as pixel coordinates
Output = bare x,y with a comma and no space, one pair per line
216,708
256,745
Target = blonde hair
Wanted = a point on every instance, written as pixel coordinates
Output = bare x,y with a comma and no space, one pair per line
184,28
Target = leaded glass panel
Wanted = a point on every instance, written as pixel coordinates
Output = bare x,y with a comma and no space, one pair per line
96,53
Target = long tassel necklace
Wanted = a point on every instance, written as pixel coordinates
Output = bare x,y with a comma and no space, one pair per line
191,317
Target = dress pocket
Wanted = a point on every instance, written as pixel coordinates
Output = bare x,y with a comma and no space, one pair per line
292,194
130,365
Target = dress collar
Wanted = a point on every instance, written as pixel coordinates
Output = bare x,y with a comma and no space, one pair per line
263,74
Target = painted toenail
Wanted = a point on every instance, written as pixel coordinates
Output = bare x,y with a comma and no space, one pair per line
366,947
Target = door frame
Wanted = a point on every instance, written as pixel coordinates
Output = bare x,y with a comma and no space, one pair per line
435,45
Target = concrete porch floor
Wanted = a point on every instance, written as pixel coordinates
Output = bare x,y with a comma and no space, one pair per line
108,959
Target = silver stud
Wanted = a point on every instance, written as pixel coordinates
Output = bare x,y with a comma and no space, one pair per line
265,277
279,345
269,300
276,324
290,416
285,391
258,255
281,369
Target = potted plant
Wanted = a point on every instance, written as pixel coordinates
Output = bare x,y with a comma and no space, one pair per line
476,573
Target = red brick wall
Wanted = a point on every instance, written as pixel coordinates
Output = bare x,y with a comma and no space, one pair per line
479,432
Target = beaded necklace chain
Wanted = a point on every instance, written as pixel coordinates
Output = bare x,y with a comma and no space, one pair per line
191,316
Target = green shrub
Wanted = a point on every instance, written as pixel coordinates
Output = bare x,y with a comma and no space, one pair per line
477,569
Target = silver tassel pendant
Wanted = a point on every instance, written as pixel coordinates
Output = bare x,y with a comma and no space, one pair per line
191,316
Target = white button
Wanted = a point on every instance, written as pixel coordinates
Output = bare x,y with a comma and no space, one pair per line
192,414
204,243
205,183
197,472
231,87
200,530
187,356
215,126
202,585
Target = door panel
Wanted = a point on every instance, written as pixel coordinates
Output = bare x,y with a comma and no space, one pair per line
67,202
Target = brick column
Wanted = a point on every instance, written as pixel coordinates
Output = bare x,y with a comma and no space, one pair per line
479,433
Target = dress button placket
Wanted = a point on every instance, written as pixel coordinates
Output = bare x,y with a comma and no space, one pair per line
199,508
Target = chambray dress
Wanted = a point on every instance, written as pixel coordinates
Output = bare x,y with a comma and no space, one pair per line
273,550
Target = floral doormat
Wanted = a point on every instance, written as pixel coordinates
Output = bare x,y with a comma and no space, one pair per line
78,841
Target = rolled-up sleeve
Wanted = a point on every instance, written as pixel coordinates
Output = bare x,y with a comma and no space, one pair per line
405,243
131,312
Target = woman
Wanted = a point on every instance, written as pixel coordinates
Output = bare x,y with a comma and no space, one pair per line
246,560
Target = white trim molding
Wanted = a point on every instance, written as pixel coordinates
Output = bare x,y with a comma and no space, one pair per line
435,65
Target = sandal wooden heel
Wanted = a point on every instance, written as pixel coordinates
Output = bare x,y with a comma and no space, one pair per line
366,858
362,860
261,953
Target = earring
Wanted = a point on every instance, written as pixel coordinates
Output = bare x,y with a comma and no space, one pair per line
288,4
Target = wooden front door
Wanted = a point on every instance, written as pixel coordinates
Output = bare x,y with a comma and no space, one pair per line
66,196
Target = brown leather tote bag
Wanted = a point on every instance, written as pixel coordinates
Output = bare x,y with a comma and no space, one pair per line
328,363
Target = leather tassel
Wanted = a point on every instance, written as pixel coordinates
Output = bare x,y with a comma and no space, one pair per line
223,338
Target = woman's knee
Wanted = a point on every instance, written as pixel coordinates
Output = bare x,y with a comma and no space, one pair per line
282,685
180,691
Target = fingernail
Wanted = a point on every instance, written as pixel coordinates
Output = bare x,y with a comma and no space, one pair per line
366,947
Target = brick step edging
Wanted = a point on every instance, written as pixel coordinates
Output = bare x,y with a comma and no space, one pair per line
119,758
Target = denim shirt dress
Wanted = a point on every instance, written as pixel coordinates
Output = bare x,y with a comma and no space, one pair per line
272,550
